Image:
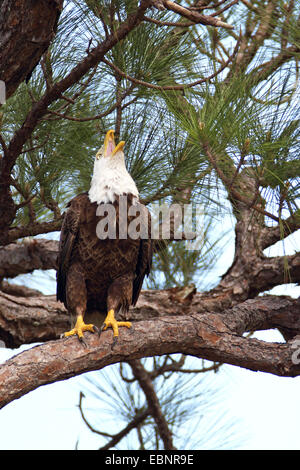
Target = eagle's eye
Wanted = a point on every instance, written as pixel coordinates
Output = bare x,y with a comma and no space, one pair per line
99,154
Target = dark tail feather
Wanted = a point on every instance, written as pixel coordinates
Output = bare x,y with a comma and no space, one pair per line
61,285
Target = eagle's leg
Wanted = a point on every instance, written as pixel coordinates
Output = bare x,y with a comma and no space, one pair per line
118,298
77,302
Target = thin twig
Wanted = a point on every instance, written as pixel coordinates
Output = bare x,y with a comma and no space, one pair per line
24,203
31,149
219,12
207,7
250,6
92,118
91,428
138,419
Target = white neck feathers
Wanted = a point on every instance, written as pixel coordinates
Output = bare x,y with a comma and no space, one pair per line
110,179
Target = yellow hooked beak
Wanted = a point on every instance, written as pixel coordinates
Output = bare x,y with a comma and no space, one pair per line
119,147
110,148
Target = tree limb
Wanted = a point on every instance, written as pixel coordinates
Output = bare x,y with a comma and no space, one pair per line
25,257
195,16
271,235
273,271
26,30
213,336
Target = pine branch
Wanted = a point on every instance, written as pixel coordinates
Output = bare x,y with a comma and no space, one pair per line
21,258
252,41
32,229
281,269
169,23
180,87
195,16
146,384
105,113
266,69
114,439
135,423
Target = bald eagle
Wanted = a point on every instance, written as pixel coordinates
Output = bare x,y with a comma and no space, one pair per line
103,273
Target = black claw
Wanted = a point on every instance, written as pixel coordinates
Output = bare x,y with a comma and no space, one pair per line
97,330
83,341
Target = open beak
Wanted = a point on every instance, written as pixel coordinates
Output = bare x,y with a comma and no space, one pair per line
119,147
110,147
109,143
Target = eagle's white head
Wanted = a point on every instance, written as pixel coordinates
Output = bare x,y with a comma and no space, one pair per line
110,177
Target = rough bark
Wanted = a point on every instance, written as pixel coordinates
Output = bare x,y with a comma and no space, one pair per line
214,336
26,30
26,320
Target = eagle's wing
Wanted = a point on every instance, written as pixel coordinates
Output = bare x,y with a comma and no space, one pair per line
144,262
67,241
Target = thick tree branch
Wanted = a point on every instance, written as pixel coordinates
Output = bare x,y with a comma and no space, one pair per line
270,235
271,272
212,336
26,30
30,254
32,229
40,318
234,191
25,257
31,319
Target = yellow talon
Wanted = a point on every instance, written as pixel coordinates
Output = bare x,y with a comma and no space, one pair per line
79,328
110,321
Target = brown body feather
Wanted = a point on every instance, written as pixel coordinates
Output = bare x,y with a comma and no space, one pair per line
95,274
